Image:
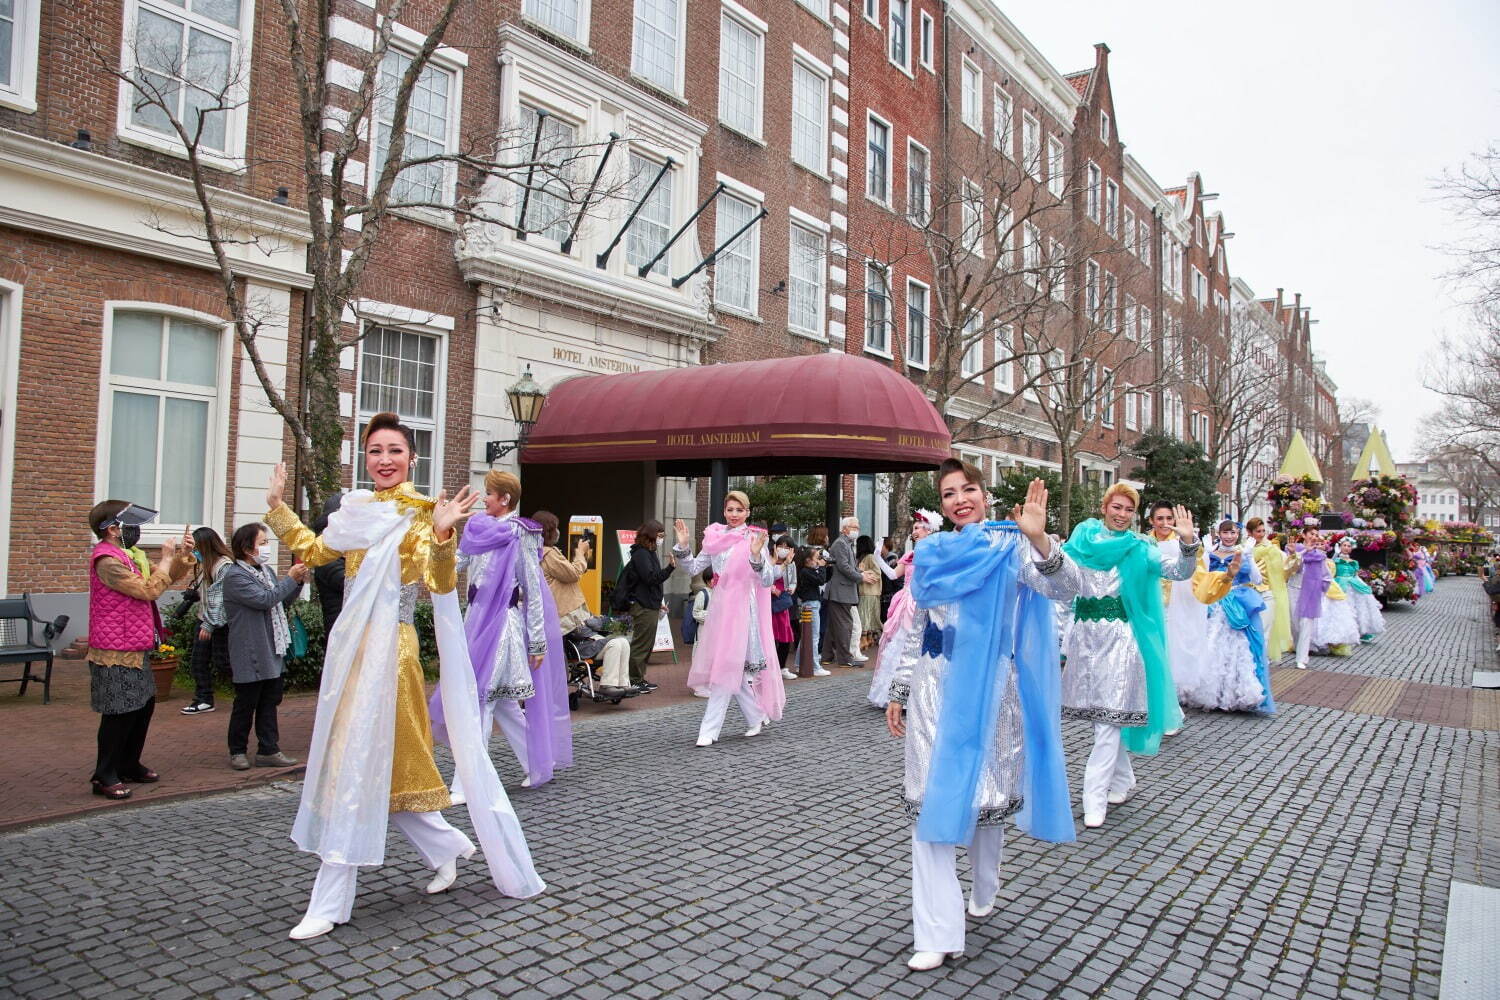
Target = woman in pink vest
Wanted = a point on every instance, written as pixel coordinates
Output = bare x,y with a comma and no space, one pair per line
122,631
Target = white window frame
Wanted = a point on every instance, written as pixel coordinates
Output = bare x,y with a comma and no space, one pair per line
817,8
585,13
1143,247
25,48
1132,331
926,314
1108,301
1031,145
236,118
871,9
679,57
971,219
435,425
968,364
820,231
1107,400
804,60
1145,324
1147,410
733,13
881,197
217,461
1091,273
921,215
658,273
1094,191
1031,253
971,98
1111,206
926,39
906,34
1005,350
884,273
1057,166
745,196
1132,406
1128,231
1004,124
439,62
1104,130
1058,272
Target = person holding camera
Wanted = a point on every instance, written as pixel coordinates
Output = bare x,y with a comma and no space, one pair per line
255,604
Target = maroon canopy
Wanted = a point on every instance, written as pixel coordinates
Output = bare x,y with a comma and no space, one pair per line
822,413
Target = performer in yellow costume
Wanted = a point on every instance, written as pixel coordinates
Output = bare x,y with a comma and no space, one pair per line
1271,562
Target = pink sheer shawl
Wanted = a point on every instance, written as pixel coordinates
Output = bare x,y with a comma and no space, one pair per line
719,654
898,616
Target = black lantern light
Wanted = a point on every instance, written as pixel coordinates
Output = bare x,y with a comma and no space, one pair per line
526,399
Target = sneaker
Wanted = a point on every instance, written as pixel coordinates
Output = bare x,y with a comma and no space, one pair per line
647,687
788,674
199,708
277,759
239,762
820,672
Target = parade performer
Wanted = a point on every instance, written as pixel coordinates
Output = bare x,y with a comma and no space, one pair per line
1185,605
370,760
1361,598
734,644
1117,676
1272,563
978,683
1322,617
1421,567
515,645
1235,676
898,616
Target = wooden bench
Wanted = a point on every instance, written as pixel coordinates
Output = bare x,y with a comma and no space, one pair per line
18,642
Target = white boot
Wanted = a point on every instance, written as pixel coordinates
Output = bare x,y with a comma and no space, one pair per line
311,927
924,961
446,874
1093,820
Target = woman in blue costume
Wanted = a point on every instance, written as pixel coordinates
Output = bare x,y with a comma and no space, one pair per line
976,699
1234,676
1361,598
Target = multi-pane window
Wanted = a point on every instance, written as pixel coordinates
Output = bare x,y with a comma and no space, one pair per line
739,75
1031,252
901,33
1146,411
818,7
1132,319
568,18
917,183
971,237
1091,292
805,281
429,118
653,223
737,265
973,355
1004,349
1132,406
1143,242
1128,230
809,117
1005,222
878,161
1058,271
1104,127
163,398
971,96
658,28
1145,325
1107,399
187,59
398,373
877,309
1200,287
1111,206
925,43
872,11
549,205
1107,302
916,324
1057,168
1094,195
1031,145
1004,122
19,28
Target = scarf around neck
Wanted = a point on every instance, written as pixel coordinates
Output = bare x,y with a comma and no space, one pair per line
719,654
1315,580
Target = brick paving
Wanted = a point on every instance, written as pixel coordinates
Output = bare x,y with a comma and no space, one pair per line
1307,854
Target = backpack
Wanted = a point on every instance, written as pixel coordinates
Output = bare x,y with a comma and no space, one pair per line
619,598
214,614
689,623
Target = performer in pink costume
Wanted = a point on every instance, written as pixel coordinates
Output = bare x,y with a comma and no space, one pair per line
898,618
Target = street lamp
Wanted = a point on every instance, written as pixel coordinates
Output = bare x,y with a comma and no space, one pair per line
526,399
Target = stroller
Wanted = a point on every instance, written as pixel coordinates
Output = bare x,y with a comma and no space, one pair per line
598,664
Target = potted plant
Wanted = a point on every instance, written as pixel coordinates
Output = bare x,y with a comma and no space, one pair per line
164,660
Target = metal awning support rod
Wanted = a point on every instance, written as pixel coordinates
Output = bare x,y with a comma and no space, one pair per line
567,244
678,282
536,144
603,258
645,268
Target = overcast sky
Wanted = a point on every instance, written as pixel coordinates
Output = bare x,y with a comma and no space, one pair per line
1322,124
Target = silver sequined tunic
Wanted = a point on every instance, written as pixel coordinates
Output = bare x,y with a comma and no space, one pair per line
764,575
918,684
523,635
1105,678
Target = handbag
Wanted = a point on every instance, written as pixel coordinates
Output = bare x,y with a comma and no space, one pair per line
299,635
781,602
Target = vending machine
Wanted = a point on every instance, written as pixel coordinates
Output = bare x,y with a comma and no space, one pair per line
590,527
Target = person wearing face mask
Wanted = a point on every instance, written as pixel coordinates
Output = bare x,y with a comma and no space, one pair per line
899,617
975,699
842,598
1118,675
370,761
643,580
255,604
123,629
211,646
735,645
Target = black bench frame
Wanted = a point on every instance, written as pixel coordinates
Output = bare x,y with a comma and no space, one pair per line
19,609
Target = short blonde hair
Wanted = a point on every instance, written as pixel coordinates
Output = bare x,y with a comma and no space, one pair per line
737,495
1120,490
503,483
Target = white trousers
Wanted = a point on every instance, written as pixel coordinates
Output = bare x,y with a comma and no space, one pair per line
1108,769
937,900
1304,629
512,724
718,707
436,841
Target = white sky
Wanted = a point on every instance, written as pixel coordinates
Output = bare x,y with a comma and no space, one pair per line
1322,124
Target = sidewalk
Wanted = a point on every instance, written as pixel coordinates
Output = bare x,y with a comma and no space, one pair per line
49,750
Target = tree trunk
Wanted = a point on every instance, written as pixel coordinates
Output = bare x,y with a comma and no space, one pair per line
322,472
900,490
1065,501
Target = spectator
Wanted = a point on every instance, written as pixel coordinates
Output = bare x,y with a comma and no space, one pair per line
563,573
842,597
812,574
869,591
702,597
211,645
328,579
122,632
891,580
643,578
255,603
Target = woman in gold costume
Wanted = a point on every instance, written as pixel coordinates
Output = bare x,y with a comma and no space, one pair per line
371,755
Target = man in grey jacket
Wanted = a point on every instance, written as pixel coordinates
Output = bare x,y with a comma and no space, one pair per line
842,597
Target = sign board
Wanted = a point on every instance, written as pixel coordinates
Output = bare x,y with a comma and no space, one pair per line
591,527
664,642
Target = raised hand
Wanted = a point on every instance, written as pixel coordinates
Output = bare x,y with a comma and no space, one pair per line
1031,517
276,487
757,544
448,513
1184,519
684,540
1235,563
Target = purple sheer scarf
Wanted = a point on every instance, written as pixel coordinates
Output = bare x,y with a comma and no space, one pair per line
1314,582
549,722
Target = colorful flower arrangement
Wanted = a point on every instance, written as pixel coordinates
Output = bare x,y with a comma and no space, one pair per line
1390,585
1295,502
164,651
1381,502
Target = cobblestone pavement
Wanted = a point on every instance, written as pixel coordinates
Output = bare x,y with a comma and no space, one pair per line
1304,855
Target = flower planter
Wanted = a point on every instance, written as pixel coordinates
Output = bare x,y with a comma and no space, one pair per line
163,671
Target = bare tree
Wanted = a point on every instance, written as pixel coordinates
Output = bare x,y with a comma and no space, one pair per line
1356,414
187,94
1472,194
1242,385
1466,460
